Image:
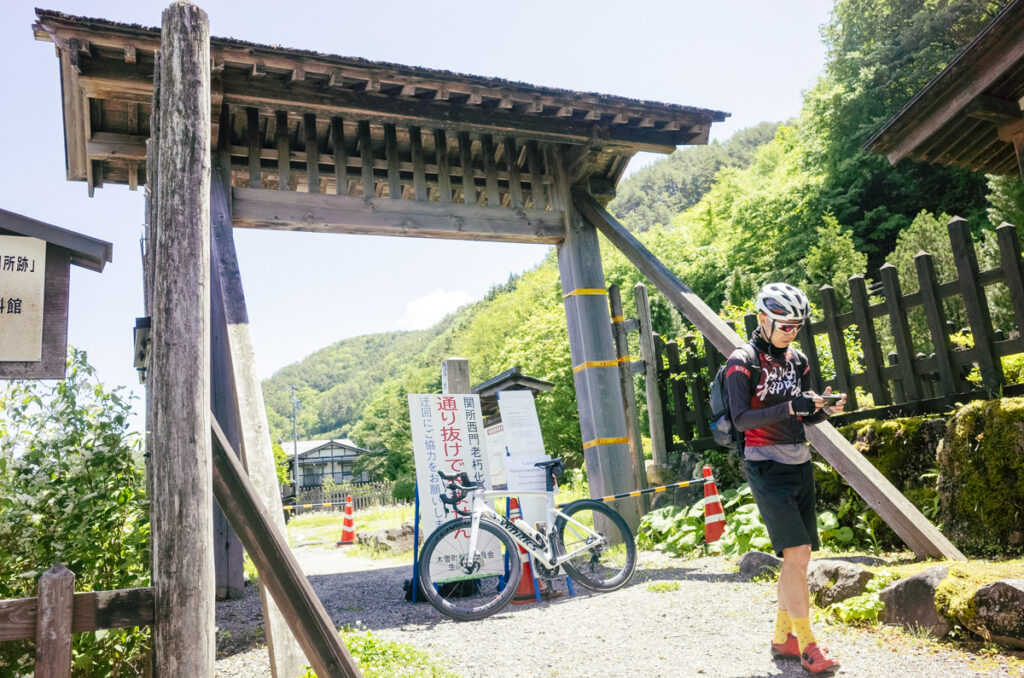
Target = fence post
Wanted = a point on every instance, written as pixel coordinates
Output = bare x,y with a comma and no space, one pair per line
636,444
806,340
936,317
749,324
898,392
873,365
1009,254
698,390
900,331
655,407
663,375
977,306
840,359
53,622
680,406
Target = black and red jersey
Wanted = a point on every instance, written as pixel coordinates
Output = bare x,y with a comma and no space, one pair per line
759,394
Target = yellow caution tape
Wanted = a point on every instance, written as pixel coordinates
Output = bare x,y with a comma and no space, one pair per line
605,441
594,363
584,291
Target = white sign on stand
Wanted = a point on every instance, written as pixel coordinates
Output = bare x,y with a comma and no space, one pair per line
496,453
447,435
525,448
22,282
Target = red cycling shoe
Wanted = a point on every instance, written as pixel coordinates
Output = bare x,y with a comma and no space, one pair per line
790,648
816,660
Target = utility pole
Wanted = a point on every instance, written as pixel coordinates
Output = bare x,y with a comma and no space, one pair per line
295,443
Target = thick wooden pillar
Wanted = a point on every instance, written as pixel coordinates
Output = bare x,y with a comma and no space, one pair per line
592,347
239,406
182,499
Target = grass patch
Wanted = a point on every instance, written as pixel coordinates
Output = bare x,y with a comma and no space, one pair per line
380,658
663,586
323,528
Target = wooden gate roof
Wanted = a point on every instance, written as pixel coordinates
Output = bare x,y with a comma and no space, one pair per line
967,115
106,82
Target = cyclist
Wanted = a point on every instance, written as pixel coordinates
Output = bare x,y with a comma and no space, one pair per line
768,384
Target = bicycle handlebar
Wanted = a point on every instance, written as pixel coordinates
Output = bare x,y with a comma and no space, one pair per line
459,484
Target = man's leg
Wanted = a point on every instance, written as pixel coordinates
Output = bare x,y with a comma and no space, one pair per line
793,594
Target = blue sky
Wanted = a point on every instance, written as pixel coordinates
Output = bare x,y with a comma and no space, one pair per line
305,291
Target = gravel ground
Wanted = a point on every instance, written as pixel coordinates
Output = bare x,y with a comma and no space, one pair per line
713,625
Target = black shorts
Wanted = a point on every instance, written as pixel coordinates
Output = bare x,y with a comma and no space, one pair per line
785,497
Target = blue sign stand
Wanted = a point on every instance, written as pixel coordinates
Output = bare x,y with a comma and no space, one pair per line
416,544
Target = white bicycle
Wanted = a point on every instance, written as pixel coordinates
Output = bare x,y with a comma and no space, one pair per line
470,567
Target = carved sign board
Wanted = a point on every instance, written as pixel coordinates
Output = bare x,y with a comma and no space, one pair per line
22,278
35,272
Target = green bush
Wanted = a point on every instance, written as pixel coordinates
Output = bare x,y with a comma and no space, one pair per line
72,490
404,488
981,477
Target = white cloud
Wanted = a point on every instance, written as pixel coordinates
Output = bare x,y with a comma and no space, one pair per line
425,311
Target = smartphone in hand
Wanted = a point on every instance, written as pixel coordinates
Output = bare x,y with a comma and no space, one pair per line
830,399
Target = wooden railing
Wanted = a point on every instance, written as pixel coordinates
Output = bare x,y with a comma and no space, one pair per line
57,612
364,496
908,382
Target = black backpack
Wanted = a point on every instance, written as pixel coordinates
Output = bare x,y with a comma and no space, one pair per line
724,433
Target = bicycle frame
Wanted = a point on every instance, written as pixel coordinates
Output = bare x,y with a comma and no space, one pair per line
537,544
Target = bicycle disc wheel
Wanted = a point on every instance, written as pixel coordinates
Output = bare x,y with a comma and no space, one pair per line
602,554
462,589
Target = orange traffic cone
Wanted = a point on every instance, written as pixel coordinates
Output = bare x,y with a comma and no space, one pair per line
348,528
526,593
714,514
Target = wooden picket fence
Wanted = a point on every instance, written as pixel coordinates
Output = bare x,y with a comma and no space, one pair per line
364,496
51,618
907,382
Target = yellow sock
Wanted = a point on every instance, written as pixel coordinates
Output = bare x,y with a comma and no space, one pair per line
783,626
802,629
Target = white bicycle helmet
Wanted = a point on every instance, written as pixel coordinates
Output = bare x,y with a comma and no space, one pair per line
783,303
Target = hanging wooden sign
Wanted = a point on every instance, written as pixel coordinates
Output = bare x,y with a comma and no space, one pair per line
35,271
22,277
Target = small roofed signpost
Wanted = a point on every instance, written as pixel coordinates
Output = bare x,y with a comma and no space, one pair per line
35,274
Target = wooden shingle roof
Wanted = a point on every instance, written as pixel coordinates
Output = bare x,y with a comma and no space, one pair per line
107,70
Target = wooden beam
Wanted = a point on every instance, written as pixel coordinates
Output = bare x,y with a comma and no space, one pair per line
276,563
312,153
238,380
269,94
366,159
592,348
93,611
257,208
340,156
179,369
902,516
998,111
391,156
283,139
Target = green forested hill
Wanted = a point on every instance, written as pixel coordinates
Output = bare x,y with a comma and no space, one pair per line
799,202
334,383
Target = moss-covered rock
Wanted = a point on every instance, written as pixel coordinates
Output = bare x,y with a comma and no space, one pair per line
981,477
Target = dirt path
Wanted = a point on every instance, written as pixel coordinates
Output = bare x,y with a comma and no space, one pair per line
712,625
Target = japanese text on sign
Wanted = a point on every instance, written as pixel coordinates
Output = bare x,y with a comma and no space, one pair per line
22,282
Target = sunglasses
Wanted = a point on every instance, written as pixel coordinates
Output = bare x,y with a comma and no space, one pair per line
789,328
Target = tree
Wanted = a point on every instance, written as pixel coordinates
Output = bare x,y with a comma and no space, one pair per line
73,490
880,54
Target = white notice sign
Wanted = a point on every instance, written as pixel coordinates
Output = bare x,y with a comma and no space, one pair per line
448,436
22,281
496,454
525,448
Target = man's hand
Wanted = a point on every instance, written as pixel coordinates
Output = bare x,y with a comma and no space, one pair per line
819,402
803,406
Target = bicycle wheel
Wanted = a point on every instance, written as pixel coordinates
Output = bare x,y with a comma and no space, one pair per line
602,554
466,590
